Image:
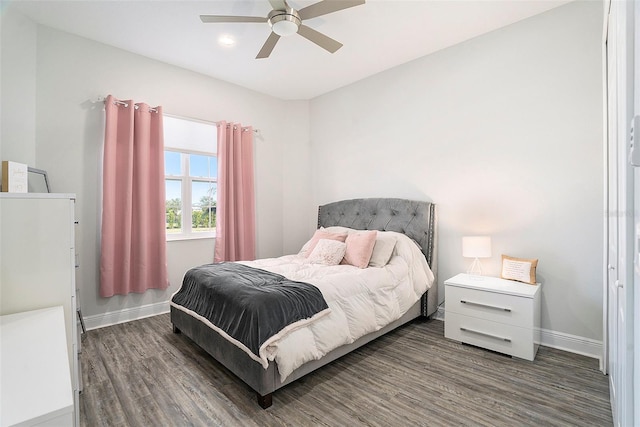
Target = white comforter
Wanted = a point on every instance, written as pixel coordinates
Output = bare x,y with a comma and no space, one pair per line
361,301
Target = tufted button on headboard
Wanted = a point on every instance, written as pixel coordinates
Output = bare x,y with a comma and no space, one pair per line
416,219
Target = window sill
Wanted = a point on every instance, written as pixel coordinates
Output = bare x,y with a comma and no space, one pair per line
193,236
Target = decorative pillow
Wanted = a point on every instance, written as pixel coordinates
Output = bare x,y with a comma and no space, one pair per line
338,229
320,234
359,248
382,250
328,252
519,269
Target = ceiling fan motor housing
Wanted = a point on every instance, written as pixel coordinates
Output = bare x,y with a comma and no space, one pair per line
284,22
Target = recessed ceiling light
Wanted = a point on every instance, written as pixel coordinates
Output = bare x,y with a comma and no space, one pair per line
226,40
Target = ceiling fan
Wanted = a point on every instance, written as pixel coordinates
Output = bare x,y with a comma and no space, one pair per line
285,21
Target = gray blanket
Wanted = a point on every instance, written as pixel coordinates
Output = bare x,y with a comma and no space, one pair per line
249,304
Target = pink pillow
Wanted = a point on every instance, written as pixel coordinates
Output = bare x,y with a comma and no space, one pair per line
320,234
359,248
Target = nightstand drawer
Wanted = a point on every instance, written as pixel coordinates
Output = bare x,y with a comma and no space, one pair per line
500,337
496,307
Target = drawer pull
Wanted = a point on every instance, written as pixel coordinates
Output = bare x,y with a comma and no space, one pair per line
486,305
485,334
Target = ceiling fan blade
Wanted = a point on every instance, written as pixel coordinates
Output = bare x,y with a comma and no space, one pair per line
320,39
219,18
268,46
327,6
278,4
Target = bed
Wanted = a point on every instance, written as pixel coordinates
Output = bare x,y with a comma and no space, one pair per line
414,219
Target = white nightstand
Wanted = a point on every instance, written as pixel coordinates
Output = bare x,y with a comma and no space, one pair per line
497,314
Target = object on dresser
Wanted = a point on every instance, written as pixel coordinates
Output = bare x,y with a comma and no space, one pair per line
14,177
519,269
476,247
38,181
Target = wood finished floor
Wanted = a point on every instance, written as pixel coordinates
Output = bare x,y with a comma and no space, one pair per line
142,374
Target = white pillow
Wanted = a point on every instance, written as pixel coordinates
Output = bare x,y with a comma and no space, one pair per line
339,229
320,233
328,252
382,250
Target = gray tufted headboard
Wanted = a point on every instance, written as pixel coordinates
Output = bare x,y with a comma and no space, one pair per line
416,219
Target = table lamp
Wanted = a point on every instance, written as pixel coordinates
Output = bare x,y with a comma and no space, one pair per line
476,247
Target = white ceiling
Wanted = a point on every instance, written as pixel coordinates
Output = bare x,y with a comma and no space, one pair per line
378,35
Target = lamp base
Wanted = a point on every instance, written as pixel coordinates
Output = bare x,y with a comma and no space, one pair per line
475,269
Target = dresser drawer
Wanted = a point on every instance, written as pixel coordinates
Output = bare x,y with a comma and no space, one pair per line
496,307
500,337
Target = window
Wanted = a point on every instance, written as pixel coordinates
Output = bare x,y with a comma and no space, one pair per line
191,173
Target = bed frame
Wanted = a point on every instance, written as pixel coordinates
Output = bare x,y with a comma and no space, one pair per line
416,219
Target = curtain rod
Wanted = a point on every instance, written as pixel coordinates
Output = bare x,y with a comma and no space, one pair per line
126,104
244,128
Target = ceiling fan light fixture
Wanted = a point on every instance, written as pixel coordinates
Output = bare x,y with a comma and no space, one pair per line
226,40
284,28
284,22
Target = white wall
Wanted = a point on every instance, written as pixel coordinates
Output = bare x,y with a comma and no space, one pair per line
73,71
17,87
299,214
504,134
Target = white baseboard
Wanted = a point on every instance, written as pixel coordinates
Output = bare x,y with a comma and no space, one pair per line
125,315
572,343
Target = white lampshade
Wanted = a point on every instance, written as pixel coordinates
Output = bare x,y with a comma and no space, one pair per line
476,247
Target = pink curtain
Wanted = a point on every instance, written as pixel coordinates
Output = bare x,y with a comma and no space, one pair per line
133,246
235,220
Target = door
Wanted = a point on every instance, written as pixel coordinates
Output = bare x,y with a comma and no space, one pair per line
635,305
621,239
612,210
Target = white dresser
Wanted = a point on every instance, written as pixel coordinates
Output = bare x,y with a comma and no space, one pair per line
37,263
497,314
36,386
